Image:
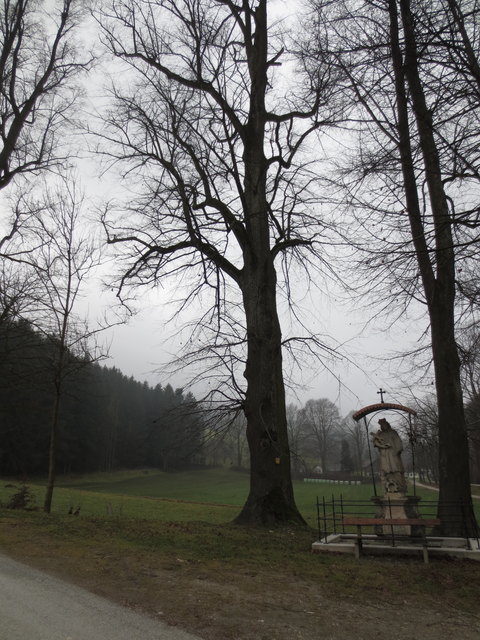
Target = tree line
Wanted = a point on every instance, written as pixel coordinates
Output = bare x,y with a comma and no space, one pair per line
109,421
106,419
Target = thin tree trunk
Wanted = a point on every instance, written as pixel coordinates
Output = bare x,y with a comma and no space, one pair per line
52,453
59,373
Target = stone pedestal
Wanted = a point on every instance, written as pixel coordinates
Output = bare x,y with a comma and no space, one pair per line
399,506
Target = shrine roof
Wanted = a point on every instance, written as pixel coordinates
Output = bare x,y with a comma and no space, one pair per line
382,406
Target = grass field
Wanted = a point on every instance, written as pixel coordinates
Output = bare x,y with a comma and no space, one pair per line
211,495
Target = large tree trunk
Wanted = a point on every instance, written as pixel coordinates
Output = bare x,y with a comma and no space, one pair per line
271,493
455,508
271,496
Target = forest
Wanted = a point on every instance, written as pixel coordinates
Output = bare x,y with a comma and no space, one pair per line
107,421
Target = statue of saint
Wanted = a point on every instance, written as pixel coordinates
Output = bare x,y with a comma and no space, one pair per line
390,447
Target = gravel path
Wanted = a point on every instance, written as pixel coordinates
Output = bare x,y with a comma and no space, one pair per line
36,606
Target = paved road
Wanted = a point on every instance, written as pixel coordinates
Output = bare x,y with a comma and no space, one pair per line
36,606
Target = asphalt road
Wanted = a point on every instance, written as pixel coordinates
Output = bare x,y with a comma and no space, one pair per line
36,606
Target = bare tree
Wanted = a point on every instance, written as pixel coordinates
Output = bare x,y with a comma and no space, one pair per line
211,120
238,443
426,440
64,257
419,227
17,292
38,63
356,436
296,438
37,60
320,424
224,442
438,278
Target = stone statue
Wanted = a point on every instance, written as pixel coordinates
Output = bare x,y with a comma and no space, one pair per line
390,447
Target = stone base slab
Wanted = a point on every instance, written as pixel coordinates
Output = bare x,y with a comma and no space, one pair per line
373,545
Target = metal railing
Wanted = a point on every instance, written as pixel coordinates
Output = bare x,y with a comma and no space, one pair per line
331,513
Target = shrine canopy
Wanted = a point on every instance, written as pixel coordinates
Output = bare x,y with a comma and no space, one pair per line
381,406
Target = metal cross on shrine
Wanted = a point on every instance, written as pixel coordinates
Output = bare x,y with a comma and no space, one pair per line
381,392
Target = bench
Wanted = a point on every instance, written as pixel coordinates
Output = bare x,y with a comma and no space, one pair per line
360,522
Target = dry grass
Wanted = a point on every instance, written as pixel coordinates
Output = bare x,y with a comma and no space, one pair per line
229,582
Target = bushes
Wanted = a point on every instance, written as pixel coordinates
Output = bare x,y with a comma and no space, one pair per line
23,498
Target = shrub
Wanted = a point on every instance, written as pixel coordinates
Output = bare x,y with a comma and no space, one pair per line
23,498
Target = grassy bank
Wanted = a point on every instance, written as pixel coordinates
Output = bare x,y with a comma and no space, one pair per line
222,581
232,549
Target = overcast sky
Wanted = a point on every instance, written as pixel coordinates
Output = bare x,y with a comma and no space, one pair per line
147,342
142,346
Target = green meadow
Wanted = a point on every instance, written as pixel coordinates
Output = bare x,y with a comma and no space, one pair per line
210,495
